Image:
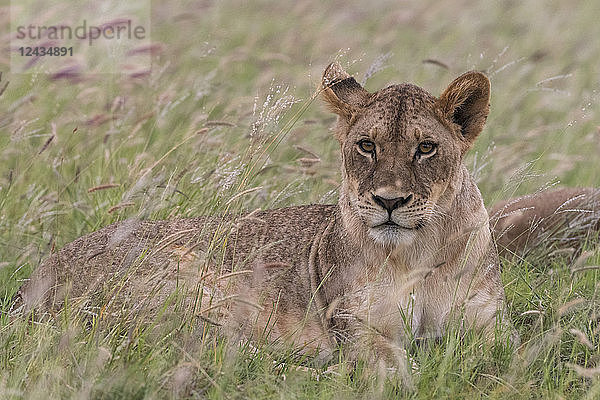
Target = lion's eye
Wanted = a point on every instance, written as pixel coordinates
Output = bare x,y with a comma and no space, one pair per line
367,146
426,148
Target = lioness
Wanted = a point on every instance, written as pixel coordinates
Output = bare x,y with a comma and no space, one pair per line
406,250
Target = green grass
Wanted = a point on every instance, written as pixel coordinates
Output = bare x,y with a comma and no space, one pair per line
228,108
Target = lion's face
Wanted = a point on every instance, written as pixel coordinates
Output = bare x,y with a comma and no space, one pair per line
397,162
402,150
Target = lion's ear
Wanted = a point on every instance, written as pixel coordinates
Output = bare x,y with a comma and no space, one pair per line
466,102
341,93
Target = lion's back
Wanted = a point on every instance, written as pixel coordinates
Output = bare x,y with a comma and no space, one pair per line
142,263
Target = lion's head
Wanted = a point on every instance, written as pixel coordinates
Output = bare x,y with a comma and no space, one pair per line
402,149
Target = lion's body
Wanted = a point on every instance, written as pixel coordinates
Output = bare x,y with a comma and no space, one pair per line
562,218
405,251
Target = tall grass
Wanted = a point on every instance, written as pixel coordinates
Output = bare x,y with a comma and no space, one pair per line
226,121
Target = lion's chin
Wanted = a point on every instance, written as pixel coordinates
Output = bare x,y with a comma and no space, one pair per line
392,235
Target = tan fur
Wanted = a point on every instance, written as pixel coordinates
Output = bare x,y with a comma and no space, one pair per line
319,275
561,219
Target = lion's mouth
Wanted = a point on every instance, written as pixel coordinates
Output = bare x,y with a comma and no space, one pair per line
391,224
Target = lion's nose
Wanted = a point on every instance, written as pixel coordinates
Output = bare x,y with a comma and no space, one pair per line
391,204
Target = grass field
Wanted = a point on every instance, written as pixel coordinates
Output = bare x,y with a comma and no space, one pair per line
228,107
